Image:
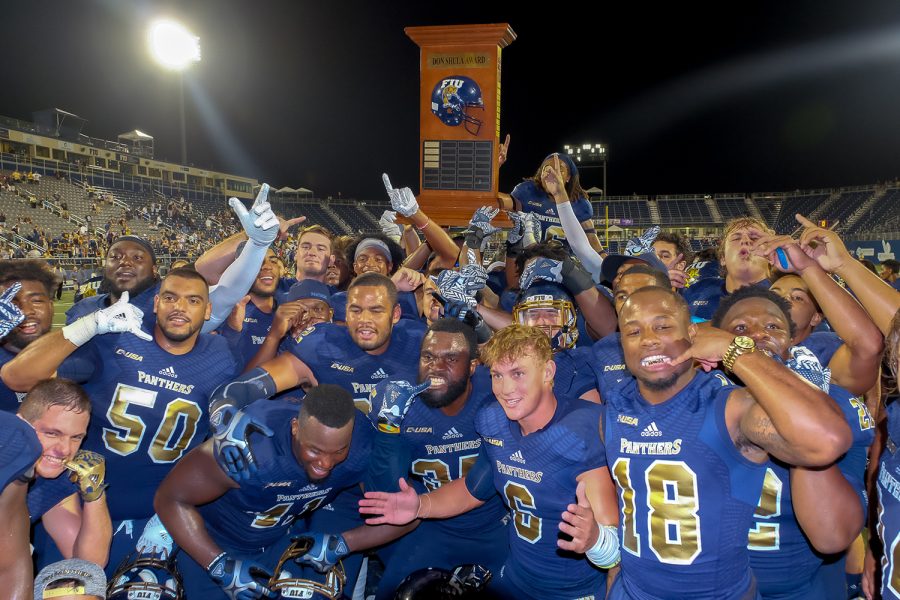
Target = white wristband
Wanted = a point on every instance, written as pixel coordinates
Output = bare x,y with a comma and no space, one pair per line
81,331
605,553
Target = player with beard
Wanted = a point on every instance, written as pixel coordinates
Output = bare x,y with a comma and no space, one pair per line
742,267
374,346
688,450
149,394
541,451
35,300
67,496
436,445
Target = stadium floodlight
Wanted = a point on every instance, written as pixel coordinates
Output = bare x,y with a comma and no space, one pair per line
172,45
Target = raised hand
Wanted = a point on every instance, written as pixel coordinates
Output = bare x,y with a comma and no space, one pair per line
396,398
236,318
402,199
823,246
231,431
394,508
553,182
88,472
121,317
643,243
480,228
503,151
707,348
783,252
389,227
10,315
325,551
259,223
543,268
514,235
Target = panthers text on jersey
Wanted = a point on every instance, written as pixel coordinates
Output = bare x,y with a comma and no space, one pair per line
535,475
686,493
149,408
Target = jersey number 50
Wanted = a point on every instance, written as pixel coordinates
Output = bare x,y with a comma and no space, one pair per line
169,441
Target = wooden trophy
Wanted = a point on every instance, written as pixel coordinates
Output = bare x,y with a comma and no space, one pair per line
459,118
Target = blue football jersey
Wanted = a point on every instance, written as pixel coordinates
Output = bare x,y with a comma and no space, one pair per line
574,372
330,353
254,516
149,407
608,364
9,399
143,301
889,506
440,448
785,565
535,476
246,342
823,344
533,199
44,494
686,494
704,296
20,448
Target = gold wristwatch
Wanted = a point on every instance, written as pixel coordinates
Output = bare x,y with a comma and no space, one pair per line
739,345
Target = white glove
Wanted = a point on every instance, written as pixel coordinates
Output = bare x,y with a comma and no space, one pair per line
121,317
532,231
402,200
259,223
389,226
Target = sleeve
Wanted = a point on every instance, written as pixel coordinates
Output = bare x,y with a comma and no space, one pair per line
480,478
82,364
388,462
578,240
234,284
19,448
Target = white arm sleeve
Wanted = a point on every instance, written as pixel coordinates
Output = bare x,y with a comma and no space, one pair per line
234,284
578,240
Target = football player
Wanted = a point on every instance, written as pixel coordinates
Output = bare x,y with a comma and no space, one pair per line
802,513
20,449
232,529
742,267
542,453
67,495
436,445
34,299
853,352
250,320
149,395
688,450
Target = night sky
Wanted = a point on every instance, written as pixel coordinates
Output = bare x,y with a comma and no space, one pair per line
690,97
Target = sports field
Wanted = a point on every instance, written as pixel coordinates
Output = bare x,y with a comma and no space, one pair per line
60,307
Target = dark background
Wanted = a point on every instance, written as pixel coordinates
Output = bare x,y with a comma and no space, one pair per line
690,97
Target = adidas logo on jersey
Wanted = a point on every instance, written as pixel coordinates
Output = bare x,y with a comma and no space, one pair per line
517,457
309,488
169,372
651,430
379,374
451,434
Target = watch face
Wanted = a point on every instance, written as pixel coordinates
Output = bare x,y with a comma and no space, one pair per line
744,342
